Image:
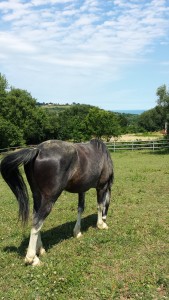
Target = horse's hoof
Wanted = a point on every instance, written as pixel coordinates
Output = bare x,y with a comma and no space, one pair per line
28,260
78,235
33,261
36,261
41,251
102,226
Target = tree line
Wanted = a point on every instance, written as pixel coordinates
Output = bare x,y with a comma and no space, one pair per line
155,118
23,121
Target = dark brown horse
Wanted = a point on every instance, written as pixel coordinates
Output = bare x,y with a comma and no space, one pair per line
54,166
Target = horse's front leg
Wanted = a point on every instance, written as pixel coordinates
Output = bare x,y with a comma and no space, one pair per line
77,229
40,250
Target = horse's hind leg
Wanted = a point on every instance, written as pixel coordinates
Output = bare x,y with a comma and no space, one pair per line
103,199
42,208
77,228
34,243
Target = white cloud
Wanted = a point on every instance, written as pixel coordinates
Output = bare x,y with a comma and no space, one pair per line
76,28
90,37
11,43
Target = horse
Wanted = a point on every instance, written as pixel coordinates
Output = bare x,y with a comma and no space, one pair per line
52,167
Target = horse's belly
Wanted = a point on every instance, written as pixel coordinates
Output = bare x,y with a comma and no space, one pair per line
81,186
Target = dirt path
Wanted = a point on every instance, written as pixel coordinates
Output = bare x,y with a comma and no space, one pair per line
135,137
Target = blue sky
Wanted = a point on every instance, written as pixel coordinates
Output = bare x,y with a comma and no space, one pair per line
110,53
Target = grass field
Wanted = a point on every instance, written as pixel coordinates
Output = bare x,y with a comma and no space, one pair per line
55,108
129,261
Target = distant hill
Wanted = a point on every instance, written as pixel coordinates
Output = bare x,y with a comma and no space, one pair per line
131,112
51,107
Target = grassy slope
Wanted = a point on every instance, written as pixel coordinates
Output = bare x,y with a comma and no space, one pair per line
129,261
55,108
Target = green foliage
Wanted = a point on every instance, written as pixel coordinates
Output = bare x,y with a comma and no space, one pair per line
72,123
3,84
24,114
27,123
33,124
82,122
152,120
3,92
163,102
9,134
129,123
102,123
24,121
52,125
163,96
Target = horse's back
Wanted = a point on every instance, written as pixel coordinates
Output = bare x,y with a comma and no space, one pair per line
54,148
73,167
94,166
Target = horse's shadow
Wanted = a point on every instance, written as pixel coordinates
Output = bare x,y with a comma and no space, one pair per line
55,235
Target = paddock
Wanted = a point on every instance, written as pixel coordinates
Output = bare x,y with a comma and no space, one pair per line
128,261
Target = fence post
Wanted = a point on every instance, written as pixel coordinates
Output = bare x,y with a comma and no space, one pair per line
114,146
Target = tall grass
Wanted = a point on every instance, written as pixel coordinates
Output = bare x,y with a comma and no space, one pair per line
129,261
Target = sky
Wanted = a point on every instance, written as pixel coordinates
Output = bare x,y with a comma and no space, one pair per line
113,54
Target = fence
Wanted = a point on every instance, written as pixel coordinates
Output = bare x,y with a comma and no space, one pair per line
10,149
138,145
116,146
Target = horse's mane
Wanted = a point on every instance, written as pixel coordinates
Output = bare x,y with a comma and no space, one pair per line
100,145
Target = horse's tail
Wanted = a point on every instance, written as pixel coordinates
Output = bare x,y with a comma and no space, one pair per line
10,172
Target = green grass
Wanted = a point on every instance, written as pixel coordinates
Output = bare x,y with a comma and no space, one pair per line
55,108
129,261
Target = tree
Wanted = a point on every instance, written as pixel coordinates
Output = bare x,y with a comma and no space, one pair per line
102,123
82,122
10,136
155,118
51,125
152,120
72,125
163,101
3,83
163,96
21,109
29,123
3,92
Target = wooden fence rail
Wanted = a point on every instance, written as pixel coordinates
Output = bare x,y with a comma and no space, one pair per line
138,145
116,146
10,149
